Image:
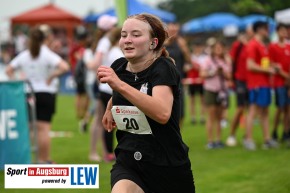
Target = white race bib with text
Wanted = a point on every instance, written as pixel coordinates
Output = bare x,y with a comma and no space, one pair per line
131,119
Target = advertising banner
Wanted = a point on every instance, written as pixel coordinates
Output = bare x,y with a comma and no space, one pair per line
51,176
67,84
14,131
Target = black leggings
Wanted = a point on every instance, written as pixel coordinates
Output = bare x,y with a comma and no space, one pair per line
108,136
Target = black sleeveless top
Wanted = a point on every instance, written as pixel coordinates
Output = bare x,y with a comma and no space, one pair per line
164,146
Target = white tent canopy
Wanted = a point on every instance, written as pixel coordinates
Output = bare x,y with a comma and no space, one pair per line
283,16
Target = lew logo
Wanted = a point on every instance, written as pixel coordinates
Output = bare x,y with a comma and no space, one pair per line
118,110
51,176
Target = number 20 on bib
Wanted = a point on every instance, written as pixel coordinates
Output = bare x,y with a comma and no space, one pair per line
131,119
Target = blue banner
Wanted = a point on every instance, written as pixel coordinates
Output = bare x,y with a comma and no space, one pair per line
67,84
14,130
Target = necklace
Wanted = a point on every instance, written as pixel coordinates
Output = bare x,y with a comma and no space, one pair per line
136,73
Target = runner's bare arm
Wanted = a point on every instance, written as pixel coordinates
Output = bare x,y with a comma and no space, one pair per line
108,120
158,106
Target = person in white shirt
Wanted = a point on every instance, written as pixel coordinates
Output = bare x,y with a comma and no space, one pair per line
105,91
90,78
20,41
41,67
105,46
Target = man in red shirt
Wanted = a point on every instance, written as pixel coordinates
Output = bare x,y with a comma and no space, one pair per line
258,83
238,55
280,59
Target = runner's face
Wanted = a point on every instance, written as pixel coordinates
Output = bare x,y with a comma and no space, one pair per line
135,39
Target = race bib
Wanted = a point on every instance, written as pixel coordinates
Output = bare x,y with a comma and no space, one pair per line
131,119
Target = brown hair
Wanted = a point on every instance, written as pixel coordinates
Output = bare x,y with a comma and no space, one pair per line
115,35
222,43
157,31
36,40
98,35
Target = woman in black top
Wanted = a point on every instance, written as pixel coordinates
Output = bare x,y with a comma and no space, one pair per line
145,107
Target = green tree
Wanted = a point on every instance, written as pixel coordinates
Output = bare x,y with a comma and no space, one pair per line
189,9
245,7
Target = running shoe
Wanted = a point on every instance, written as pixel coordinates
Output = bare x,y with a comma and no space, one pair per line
219,144
109,157
231,141
270,144
95,158
83,126
210,145
249,145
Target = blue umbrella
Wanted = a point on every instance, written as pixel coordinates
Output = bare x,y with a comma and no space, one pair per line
135,7
193,26
251,19
92,18
217,21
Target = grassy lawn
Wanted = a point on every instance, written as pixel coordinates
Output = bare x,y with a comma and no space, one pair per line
215,171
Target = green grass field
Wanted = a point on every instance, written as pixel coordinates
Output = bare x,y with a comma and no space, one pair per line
229,170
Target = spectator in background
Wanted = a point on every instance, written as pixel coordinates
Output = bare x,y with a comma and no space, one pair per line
90,78
215,71
41,67
79,73
258,83
238,55
195,88
20,41
179,51
208,49
280,60
105,93
48,34
4,60
106,24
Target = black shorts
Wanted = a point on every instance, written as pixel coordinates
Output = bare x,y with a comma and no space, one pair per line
152,178
96,90
45,106
195,89
242,93
81,88
104,97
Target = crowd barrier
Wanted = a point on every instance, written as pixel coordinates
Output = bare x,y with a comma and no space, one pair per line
15,144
